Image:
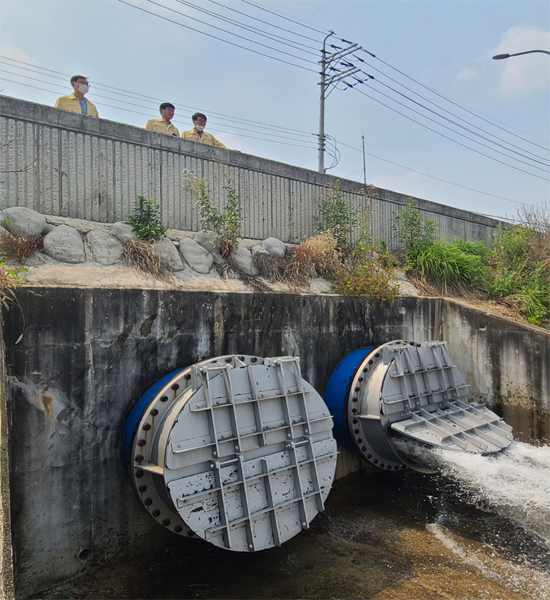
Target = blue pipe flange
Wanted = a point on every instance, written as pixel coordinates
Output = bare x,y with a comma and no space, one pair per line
337,394
237,450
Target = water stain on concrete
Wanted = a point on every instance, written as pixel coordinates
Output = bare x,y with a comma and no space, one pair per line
124,335
47,404
147,325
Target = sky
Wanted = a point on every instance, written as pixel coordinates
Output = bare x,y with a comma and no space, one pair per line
432,68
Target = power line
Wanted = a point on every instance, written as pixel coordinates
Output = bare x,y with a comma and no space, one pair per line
431,176
281,16
216,37
458,132
451,139
228,32
250,28
444,109
462,107
265,22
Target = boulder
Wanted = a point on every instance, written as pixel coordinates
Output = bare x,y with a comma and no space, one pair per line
274,246
207,241
169,254
400,275
195,255
243,260
22,221
65,244
257,249
122,231
106,249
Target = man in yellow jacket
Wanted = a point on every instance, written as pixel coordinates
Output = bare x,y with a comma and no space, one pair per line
164,123
76,102
197,134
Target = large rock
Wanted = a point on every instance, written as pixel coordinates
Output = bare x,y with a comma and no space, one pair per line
197,257
169,254
243,260
122,231
65,244
23,221
208,242
274,246
257,249
106,249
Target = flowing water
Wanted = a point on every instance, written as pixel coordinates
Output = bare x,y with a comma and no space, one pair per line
514,483
478,530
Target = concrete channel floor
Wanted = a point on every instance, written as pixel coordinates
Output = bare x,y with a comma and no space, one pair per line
382,537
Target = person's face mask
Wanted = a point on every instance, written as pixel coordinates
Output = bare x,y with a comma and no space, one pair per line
199,127
83,88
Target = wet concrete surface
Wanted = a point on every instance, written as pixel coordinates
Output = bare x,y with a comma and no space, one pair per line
386,536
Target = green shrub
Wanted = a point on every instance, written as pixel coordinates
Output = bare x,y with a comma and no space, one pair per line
446,263
145,220
365,272
411,227
226,224
474,248
336,217
517,272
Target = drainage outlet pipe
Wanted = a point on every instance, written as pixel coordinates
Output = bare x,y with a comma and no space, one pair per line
237,450
390,400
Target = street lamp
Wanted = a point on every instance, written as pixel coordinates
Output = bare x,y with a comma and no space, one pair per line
503,56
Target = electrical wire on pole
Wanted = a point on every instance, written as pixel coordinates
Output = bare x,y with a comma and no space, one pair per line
327,64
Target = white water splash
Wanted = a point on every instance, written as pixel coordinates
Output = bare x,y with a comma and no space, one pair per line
514,483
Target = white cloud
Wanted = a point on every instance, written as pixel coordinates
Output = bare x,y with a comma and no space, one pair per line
466,73
529,73
16,53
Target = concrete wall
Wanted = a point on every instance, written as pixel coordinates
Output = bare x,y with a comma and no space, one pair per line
61,163
87,355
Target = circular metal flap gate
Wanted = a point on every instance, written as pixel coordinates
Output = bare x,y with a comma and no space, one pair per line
404,390
237,450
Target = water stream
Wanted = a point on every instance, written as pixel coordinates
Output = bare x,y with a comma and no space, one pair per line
514,483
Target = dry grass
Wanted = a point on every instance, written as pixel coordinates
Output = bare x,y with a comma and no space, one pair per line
19,248
231,268
7,286
142,256
272,268
316,257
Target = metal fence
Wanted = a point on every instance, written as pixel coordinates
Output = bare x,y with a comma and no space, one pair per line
61,163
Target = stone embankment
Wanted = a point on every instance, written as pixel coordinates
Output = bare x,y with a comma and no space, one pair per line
192,258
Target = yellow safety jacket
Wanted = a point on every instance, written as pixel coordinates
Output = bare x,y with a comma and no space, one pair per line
160,126
71,103
205,138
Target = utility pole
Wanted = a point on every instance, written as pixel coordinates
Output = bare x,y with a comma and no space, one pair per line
328,60
364,162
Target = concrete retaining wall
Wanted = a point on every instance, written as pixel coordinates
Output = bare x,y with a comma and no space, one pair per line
62,163
87,355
